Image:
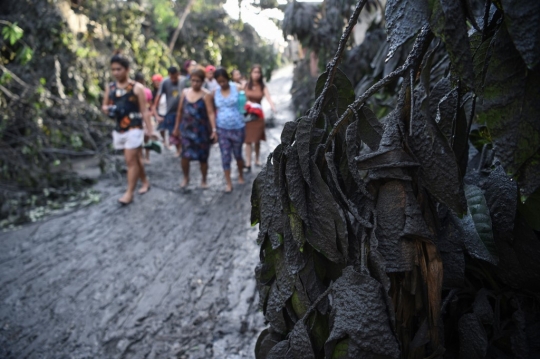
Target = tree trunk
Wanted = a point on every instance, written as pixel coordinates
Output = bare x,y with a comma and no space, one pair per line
186,12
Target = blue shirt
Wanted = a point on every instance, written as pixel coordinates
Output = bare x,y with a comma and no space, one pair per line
228,116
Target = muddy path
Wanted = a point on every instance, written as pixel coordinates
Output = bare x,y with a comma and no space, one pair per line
170,276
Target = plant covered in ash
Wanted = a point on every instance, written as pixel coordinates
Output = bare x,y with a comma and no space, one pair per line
413,234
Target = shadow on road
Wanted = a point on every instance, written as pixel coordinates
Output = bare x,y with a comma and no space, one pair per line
170,276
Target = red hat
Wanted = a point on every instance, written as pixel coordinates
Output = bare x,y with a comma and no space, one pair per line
210,68
157,77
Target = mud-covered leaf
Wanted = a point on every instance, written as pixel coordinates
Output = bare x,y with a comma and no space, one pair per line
300,345
385,159
293,245
522,18
479,212
343,94
439,169
482,308
279,351
473,340
446,112
359,313
274,310
289,130
501,194
370,130
509,106
266,341
327,232
256,194
303,139
404,18
450,243
296,185
448,23
311,282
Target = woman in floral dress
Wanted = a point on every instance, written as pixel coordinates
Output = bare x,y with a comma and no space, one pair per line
196,122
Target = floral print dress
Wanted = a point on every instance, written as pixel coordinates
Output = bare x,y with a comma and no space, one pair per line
195,130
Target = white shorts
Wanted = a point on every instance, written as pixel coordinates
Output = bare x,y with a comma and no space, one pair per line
128,140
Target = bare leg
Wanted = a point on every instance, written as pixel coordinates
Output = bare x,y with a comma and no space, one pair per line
240,165
257,153
228,187
248,154
178,150
142,175
146,159
204,172
185,171
165,138
132,158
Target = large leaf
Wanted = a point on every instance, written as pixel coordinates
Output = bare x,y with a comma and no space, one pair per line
448,22
327,232
510,104
296,186
522,18
473,340
479,212
501,197
300,345
370,129
404,18
343,95
266,341
439,169
303,139
359,312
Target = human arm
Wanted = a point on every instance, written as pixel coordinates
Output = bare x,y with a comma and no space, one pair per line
143,107
105,103
156,103
269,99
209,102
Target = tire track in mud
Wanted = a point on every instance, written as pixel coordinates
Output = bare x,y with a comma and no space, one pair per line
170,276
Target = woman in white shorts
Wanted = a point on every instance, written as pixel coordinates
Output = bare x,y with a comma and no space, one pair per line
125,101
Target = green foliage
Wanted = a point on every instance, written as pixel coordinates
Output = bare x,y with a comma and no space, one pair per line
164,17
12,33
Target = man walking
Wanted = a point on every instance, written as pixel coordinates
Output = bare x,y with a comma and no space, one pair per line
171,87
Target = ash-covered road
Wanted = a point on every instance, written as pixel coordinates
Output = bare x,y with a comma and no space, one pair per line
170,276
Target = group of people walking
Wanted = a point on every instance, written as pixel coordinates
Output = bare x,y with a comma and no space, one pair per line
193,110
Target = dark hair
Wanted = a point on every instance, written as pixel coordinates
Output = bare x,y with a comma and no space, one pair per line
250,82
198,73
187,63
221,72
172,70
139,77
120,59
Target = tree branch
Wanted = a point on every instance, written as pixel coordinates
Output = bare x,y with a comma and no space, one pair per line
181,22
412,62
332,66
